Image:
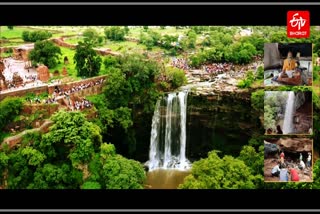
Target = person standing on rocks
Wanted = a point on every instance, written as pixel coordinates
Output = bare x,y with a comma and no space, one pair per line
309,160
301,157
302,165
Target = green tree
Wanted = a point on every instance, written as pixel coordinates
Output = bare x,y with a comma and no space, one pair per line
145,28
150,39
219,173
257,100
88,62
189,42
241,52
127,29
91,185
92,36
122,173
110,62
257,40
10,107
269,121
133,82
34,36
147,40
4,160
115,33
45,52
56,177
20,173
72,137
176,77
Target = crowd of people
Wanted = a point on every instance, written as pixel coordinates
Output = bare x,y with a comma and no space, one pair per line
31,77
290,171
58,92
180,63
218,68
80,105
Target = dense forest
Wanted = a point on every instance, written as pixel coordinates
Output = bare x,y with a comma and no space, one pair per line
99,148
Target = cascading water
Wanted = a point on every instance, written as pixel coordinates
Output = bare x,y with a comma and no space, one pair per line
168,133
288,115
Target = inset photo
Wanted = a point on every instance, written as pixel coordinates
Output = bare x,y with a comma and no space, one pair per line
288,159
287,64
288,112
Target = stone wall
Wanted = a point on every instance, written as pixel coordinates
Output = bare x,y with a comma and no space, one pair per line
14,140
67,86
62,43
50,89
23,91
31,109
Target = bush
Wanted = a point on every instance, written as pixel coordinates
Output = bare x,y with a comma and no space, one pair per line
10,107
176,77
257,100
247,82
260,73
91,185
115,33
110,61
164,86
45,52
92,36
35,36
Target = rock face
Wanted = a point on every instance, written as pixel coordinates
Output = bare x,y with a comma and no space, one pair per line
299,99
295,145
221,121
43,73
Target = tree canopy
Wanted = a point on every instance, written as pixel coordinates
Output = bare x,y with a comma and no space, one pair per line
88,62
45,52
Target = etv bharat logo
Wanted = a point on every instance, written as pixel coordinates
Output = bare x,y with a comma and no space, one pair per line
298,24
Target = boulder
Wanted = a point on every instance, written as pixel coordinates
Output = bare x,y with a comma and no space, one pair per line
270,148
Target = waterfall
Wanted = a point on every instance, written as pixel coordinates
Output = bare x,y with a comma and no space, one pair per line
168,133
288,115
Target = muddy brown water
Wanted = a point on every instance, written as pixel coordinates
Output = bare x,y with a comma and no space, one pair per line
165,179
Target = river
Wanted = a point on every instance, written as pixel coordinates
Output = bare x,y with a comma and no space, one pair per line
165,178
